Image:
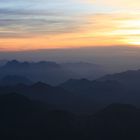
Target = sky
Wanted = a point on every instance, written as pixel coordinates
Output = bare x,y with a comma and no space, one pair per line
51,24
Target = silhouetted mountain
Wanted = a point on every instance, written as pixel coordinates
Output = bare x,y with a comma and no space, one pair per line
11,80
80,94
16,113
32,65
22,118
50,72
117,121
85,70
40,71
121,87
57,97
76,85
14,103
99,91
41,86
130,79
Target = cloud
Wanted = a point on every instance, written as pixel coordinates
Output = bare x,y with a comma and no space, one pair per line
33,22
59,23
96,30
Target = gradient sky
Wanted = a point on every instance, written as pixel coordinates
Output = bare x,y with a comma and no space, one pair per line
39,24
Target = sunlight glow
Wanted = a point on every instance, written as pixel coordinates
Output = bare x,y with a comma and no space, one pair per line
78,25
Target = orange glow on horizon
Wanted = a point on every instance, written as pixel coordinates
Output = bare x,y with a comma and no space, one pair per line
99,30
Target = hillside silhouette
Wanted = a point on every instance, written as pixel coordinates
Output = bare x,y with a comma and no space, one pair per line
22,118
51,72
12,80
80,109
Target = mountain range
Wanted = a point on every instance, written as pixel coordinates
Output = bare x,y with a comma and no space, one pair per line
121,87
103,108
79,95
51,72
22,118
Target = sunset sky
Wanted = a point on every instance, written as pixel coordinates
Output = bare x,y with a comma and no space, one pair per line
47,24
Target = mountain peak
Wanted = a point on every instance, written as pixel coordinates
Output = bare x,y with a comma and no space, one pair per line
13,62
40,85
15,80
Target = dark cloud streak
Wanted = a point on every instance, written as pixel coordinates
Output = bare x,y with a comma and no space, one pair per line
34,22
